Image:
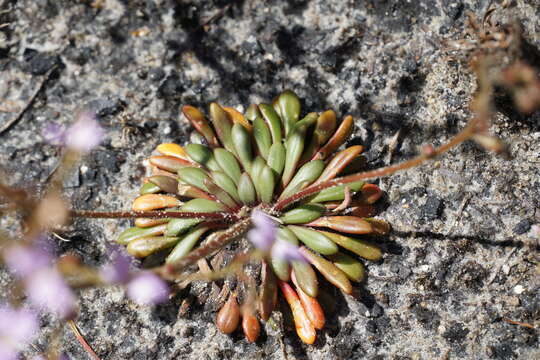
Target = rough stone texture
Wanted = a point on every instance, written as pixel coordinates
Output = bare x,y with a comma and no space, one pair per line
459,259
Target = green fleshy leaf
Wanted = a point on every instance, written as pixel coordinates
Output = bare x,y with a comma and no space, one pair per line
202,205
226,183
256,168
331,272
306,278
194,176
294,146
246,190
220,194
281,268
315,240
285,234
273,121
267,182
289,106
227,161
336,193
186,244
276,158
262,135
223,126
146,246
149,188
353,268
135,233
252,112
165,183
307,174
358,246
202,155
303,214
242,144
178,226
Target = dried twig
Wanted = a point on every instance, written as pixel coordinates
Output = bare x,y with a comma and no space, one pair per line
513,322
82,341
18,117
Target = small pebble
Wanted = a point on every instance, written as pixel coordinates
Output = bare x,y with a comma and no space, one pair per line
519,289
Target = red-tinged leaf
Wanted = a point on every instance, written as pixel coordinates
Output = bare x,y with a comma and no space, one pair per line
170,149
331,273
190,191
363,211
170,163
339,162
346,224
268,296
238,118
154,201
228,317
340,136
358,246
200,124
311,306
250,325
370,194
144,222
304,327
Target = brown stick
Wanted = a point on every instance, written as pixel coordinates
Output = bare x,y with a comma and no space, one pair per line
169,271
513,322
464,135
82,341
226,216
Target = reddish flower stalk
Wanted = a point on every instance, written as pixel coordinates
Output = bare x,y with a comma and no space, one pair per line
170,271
227,216
464,135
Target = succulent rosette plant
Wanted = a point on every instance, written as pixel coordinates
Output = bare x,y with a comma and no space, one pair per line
271,175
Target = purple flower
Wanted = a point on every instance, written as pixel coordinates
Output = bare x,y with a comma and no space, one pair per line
17,328
117,271
146,288
286,251
25,260
44,285
85,134
47,289
54,134
263,234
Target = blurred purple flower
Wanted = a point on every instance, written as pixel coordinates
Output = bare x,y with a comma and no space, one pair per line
146,288
85,134
47,289
286,251
17,328
263,234
117,271
82,136
44,285
54,134
25,260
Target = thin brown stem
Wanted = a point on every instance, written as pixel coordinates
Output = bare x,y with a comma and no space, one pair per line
152,215
464,135
82,341
214,243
